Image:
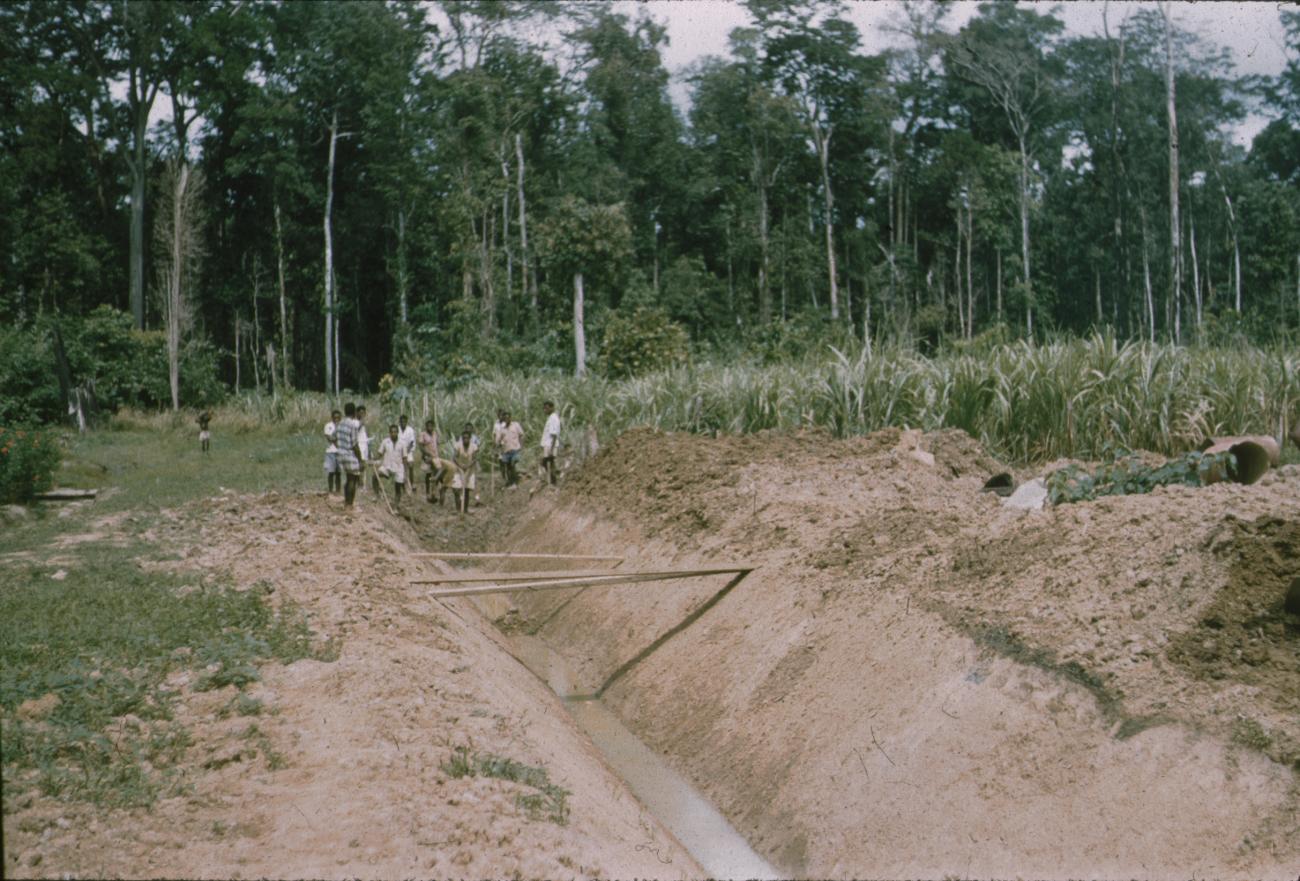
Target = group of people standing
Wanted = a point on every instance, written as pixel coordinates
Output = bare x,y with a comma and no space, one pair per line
348,455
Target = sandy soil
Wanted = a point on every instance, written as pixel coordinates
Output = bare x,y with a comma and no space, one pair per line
361,793
921,682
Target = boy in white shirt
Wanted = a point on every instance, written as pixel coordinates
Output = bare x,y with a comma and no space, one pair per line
550,439
333,472
393,461
406,440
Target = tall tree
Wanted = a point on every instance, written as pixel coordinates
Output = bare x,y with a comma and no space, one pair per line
1003,51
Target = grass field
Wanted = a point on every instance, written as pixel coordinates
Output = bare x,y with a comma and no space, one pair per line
90,630
1024,402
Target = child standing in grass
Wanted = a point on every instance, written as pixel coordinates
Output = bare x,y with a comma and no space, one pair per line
392,454
464,455
333,473
349,452
205,436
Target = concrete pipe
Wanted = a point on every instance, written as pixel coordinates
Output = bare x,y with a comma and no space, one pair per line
1001,484
1255,454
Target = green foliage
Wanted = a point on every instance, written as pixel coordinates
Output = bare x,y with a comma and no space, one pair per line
1130,475
28,458
550,802
121,366
641,341
103,640
808,332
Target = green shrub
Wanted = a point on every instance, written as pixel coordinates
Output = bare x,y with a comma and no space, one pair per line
120,365
641,341
550,802
27,462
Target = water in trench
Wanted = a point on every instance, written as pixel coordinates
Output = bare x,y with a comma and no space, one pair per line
697,824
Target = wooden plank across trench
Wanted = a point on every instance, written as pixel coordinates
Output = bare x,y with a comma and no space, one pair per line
481,584
449,555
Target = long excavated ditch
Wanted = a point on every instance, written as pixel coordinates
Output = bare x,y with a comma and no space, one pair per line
917,681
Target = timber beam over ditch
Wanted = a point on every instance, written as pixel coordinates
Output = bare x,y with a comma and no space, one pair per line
487,583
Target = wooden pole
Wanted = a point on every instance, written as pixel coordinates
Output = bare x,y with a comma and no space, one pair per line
561,583
455,555
382,491
484,577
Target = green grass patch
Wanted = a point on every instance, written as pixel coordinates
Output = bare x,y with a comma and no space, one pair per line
549,802
1025,402
99,645
160,469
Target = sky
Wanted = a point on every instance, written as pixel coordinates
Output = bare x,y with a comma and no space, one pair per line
1252,31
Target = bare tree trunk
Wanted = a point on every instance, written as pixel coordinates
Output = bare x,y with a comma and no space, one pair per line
579,329
1146,277
331,334
255,352
956,276
999,272
176,273
489,305
1024,235
140,96
284,309
529,273
256,348
239,333
403,276
731,282
764,249
1196,272
1175,224
176,240
338,374
1117,171
1236,252
1096,278
823,141
970,273
505,242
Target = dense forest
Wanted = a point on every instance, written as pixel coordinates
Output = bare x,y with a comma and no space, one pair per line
313,195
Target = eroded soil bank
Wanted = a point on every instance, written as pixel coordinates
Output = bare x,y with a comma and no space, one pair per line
344,774
919,681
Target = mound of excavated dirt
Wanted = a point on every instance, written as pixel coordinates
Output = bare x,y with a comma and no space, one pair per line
918,681
341,774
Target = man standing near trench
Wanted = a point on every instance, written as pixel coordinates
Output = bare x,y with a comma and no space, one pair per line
349,452
550,439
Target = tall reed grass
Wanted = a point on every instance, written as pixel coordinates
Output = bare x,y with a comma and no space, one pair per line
1024,402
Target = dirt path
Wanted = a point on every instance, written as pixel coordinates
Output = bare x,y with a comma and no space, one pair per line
343,774
920,682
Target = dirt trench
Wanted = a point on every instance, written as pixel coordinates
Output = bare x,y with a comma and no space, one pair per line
349,768
920,682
